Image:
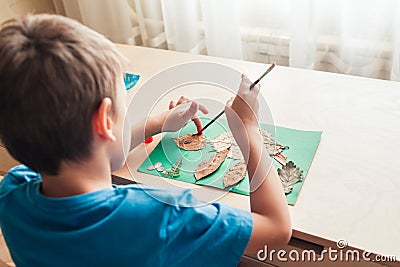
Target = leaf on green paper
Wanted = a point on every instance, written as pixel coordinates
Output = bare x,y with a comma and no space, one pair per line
272,147
224,141
210,165
280,158
235,174
174,171
290,174
190,141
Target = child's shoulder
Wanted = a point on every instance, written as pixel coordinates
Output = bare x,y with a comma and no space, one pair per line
15,177
141,194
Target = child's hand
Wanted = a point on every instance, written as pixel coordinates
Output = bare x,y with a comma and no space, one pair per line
181,112
242,111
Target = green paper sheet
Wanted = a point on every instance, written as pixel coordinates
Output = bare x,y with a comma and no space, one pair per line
302,148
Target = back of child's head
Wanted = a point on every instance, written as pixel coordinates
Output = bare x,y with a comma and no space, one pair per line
54,73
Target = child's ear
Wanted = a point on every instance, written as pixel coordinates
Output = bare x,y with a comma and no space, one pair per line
102,120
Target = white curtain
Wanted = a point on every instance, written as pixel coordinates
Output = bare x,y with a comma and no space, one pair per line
111,17
360,37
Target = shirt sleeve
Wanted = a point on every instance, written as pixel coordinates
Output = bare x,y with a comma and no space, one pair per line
15,177
205,234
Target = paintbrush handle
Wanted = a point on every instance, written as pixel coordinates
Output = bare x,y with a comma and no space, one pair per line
212,121
251,87
262,76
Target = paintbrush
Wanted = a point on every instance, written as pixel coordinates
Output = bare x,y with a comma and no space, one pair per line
251,87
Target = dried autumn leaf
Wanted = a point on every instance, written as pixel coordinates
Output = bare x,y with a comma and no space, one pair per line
210,165
269,143
280,158
279,149
224,141
190,141
235,174
290,175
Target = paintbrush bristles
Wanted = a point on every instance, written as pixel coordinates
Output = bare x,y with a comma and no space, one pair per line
262,76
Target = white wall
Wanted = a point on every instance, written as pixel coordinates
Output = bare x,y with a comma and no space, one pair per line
13,8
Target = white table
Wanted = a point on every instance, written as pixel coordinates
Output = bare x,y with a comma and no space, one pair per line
351,191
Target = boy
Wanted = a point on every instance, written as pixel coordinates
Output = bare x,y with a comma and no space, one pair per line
62,111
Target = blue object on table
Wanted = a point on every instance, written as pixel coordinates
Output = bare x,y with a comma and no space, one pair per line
130,80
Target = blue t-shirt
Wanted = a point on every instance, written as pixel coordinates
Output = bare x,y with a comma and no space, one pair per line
119,226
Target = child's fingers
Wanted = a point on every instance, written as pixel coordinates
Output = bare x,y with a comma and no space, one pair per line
172,104
246,79
230,101
244,88
228,105
182,99
257,88
198,124
228,108
203,109
191,111
244,84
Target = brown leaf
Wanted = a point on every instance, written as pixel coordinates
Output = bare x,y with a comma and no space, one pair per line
269,143
210,165
224,141
190,142
235,174
280,158
290,175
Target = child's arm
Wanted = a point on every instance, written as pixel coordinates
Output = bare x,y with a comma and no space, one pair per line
175,118
271,219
